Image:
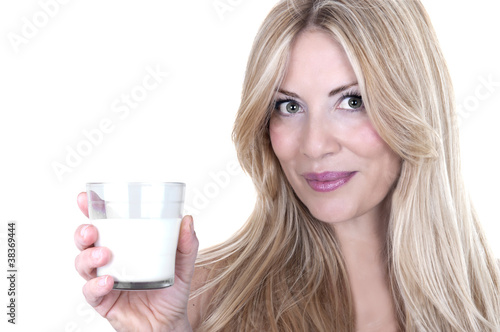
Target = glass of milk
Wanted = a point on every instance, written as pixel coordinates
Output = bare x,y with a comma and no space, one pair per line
139,223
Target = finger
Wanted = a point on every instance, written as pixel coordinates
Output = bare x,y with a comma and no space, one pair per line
97,205
88,260
85,236
187,250
187,236
95,290
83,203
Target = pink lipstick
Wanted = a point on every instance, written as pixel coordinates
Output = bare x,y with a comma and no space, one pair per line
327,181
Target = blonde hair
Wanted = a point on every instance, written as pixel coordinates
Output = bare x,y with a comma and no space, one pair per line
284,270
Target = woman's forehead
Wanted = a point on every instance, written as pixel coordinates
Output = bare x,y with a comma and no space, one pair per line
316,56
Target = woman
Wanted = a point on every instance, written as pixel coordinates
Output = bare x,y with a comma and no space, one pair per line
348,131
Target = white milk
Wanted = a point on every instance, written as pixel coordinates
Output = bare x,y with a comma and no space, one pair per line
142,250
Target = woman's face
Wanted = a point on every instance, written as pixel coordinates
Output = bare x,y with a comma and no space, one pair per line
332,156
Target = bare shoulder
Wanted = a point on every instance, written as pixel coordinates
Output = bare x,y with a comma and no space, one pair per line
198,304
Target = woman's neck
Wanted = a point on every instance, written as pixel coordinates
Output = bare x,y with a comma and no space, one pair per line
363,243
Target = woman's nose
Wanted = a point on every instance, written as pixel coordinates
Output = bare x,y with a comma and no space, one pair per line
318,137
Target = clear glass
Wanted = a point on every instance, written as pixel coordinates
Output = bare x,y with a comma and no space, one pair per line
139,223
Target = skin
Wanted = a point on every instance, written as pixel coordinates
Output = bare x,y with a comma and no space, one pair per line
318,132
157,310
322,136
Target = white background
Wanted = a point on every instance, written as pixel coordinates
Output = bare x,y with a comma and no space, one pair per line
65,78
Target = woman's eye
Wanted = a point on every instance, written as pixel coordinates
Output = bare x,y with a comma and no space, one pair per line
287,106
351,103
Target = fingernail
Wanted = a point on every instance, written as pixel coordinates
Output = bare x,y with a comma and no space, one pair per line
97,253
191,225
102,281
84,230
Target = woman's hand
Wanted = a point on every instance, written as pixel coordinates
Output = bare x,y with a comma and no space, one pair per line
152,310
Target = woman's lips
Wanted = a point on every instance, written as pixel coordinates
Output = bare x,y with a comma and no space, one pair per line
327,181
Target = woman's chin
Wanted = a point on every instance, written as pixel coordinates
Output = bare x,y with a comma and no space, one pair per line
332,217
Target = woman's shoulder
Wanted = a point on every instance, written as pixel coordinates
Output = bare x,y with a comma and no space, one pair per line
198,302
200,299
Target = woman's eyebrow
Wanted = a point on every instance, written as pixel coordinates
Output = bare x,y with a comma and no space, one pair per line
341,88
332,93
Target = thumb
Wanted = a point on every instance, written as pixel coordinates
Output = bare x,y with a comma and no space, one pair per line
187,250
82,203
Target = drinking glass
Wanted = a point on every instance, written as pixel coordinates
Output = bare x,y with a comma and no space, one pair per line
139,223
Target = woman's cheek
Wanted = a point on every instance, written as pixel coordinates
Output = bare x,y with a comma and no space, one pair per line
276,137
369,140
280,138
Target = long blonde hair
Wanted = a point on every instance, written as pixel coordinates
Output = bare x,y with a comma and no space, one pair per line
284,270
